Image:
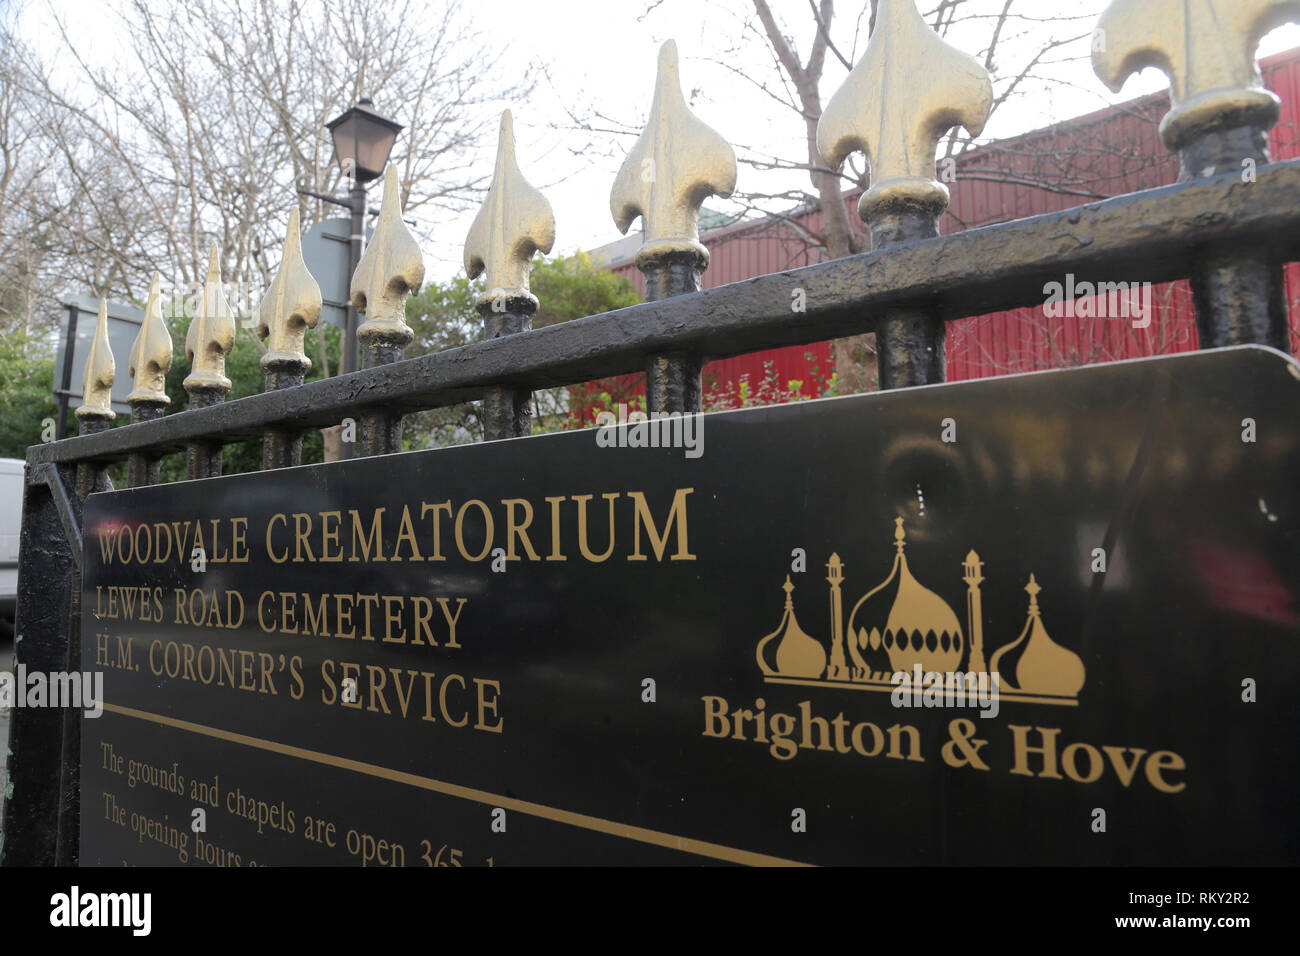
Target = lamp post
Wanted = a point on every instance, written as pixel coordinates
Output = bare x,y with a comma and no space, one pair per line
363,139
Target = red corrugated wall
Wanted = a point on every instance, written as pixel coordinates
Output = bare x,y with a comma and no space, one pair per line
1108,153
742,252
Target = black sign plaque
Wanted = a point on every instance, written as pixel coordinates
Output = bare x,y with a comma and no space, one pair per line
1044,619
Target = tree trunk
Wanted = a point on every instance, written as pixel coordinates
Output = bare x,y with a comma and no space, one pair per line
330,437
855,355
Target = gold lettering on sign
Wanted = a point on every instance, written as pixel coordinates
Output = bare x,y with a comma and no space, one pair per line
676,516
1038,753
408,532
904,638
628,523
517,530
384,618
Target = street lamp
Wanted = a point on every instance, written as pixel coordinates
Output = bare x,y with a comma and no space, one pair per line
363,139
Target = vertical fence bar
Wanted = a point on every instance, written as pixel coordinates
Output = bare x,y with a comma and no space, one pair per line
95,415
391,269
66,380
209,341
40,825
1218,123
909,340
944,88
144,468
675,165
203,458
92,476
151,359
290,307
673,379
281,447
515,222
47,747
1237,290
507,411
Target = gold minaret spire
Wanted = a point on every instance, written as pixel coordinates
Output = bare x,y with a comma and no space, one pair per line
514,222
97,385
974,611
838,669
675,165
909,88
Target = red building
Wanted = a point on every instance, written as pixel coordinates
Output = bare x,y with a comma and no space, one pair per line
1107,153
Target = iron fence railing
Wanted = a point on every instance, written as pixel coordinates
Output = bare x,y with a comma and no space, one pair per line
1228,227
1153,236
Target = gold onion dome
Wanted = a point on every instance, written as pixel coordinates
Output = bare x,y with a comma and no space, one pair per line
797,654
1033,662
906,620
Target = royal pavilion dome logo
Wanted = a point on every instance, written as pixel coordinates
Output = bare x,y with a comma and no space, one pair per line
900,625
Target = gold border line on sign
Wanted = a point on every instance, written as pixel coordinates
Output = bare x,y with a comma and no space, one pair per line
890,688
627,832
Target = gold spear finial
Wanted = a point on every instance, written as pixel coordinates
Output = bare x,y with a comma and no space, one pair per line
675,165
211,335
1205,47
151,355
390,270
909,88
514,222
97,386
291,305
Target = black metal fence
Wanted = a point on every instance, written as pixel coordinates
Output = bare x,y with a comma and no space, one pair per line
1227,232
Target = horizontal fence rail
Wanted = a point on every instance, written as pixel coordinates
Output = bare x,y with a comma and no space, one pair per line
1151,236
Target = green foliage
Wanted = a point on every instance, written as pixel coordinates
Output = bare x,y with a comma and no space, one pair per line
26,399
443,316
27,374
575,286
604,396
770,390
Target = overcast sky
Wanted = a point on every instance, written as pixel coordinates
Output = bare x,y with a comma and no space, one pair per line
600,55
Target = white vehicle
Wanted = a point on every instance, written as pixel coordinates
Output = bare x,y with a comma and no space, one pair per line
11,517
